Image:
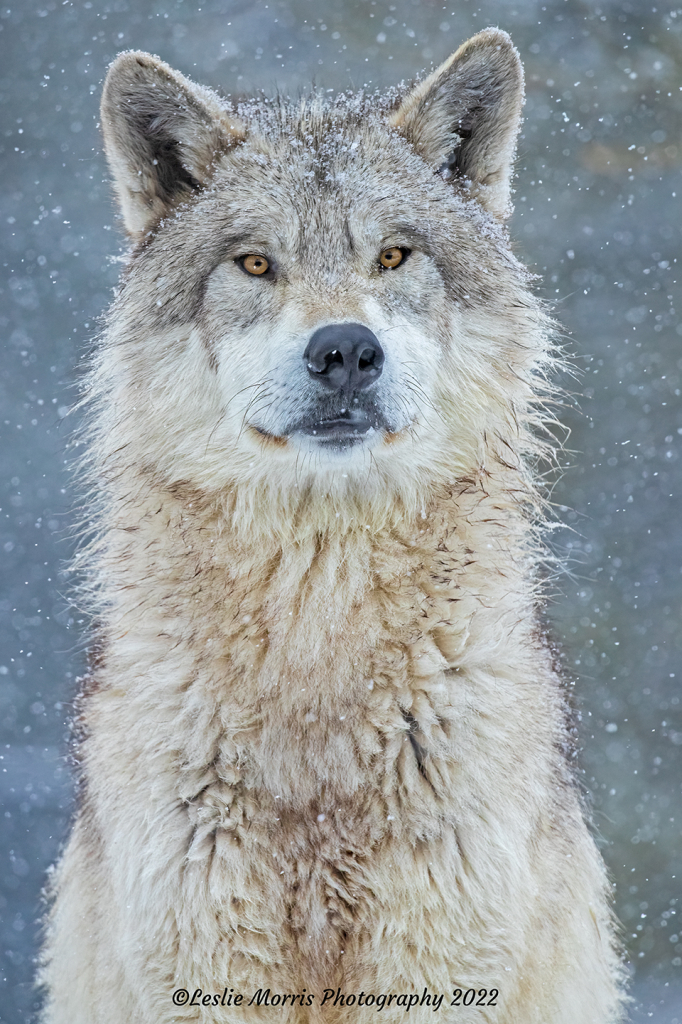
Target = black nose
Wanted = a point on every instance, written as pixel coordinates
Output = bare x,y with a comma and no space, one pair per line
344,357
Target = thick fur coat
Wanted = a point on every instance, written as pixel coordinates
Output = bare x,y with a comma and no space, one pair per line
323,744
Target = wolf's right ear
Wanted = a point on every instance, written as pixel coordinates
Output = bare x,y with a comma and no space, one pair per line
162,136
464,118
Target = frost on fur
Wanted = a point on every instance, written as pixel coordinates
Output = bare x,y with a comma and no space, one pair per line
324,742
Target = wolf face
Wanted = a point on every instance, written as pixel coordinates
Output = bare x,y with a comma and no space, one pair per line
322,295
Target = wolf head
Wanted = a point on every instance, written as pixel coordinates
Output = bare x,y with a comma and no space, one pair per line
321,296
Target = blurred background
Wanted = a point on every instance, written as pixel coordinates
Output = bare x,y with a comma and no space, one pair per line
597,201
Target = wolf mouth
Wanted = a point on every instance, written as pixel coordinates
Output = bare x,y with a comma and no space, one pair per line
339,433
343,426
343,430
334,426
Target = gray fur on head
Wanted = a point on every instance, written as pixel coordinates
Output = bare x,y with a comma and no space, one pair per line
163,134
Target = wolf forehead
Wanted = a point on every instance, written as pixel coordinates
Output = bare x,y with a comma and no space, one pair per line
317,172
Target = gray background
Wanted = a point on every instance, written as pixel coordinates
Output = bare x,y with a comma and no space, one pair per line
597,201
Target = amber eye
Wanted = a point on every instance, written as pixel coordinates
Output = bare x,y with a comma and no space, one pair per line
254,264
392,257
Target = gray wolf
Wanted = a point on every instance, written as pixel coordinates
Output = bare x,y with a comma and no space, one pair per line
323,745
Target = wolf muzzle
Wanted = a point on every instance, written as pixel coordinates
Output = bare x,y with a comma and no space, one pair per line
344,360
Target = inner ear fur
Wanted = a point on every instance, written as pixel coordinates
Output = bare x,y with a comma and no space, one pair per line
162,136
465,117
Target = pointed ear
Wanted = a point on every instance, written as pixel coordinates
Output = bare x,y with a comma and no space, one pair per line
162,136
464,118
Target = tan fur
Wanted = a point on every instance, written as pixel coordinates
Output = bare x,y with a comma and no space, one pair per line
324,744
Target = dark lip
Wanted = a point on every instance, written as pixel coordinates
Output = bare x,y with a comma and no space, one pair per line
340,426
341,429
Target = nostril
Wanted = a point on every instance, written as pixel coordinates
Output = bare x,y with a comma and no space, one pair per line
369,357
322,362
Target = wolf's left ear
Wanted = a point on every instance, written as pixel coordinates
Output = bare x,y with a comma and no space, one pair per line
464,118
162,136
